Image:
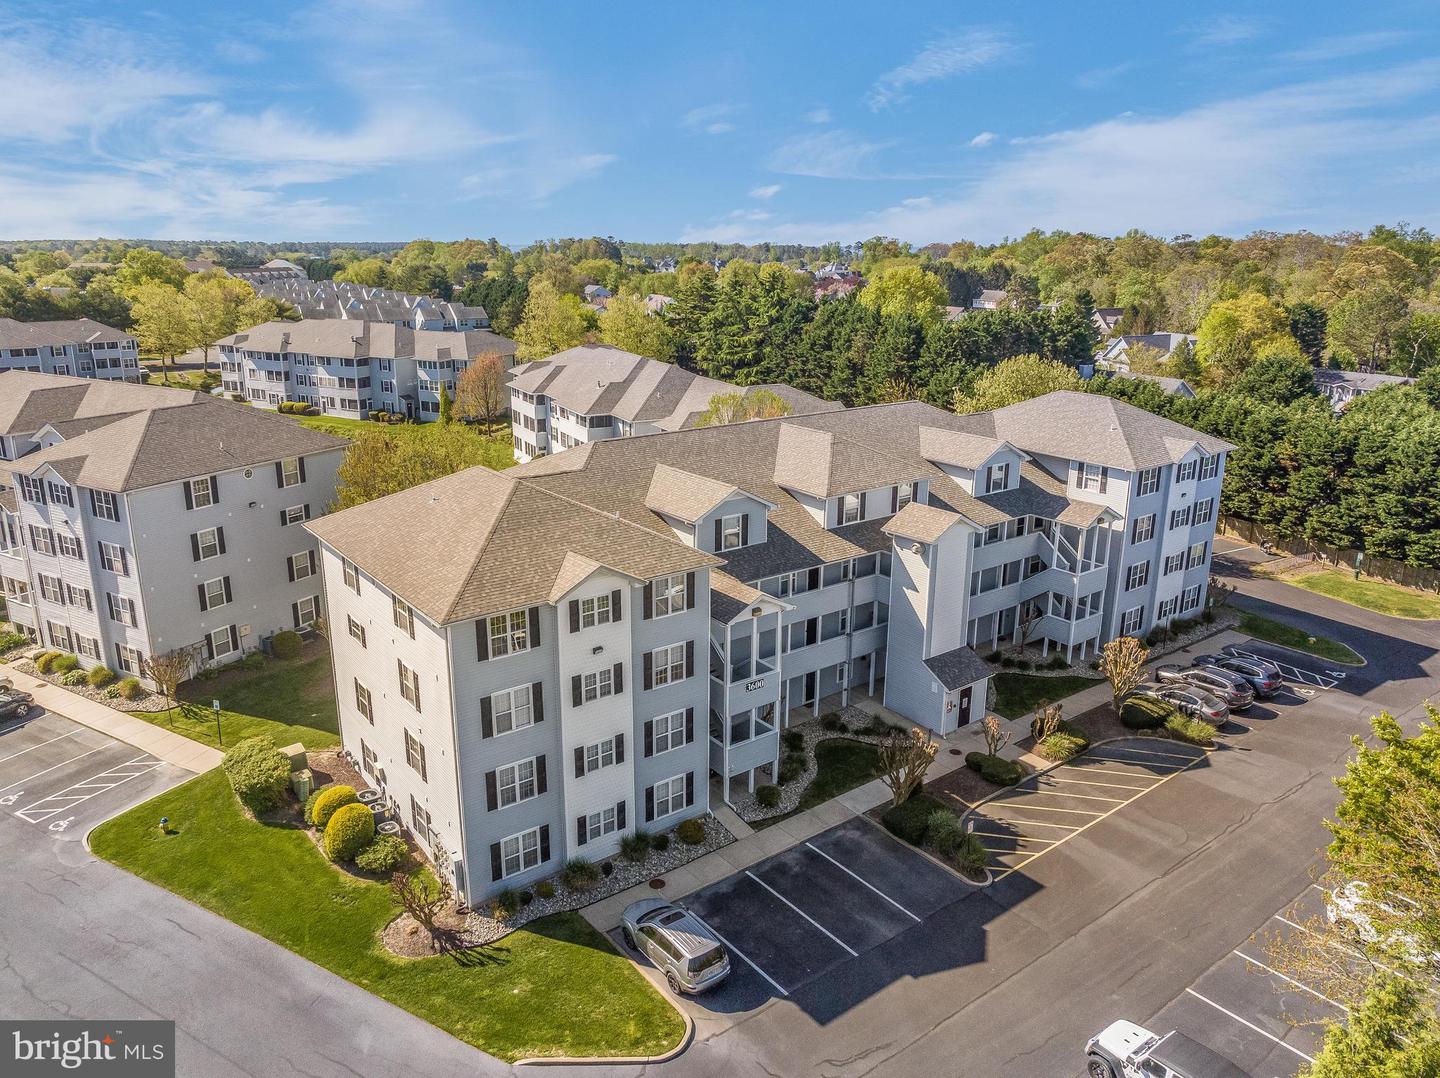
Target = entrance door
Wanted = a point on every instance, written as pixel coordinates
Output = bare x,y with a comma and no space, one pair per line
964,705
809,695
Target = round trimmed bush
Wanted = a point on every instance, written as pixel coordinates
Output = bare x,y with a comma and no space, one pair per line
767,796
100,676
659,843
691,832
74,677
349,831
383,856
259,773
793,740
130,689
285,644
1145,713
64,664
994,769
46,661
330,799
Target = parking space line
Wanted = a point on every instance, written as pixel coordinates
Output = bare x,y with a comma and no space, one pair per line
65,799
863,880
736,950
1102,771
42,744
1039,823
1043,808
1150,752
853,953
1143,763
1251,1025
1303,987
1089,782
47,771
1038,792
1018,838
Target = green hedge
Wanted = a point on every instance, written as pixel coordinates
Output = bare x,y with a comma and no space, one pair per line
285,644
994,769
1192,731
328,801
691,832
383,856
259,773
1145,713
349,831
100,676
908,820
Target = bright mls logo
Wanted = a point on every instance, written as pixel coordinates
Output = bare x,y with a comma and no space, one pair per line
113,1049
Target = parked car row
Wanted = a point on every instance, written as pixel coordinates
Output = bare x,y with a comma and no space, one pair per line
14,704
1214,686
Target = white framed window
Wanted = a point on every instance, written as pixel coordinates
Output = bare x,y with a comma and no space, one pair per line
420,821
207,544
600,824
122,609
363,703
516,782
221,643
1166,610
512,709
849,508
128,659
601,754
669,593
59,635
307,611
409,684
1130,621
216,593
668,664
595,685
357,631
667,732
1186,471
1091,477
290,472
42,540
1190,597
51,589
32,490
1204,511
904,495
70,546
78,597
87,646
352,575
295,514
669,796
415,754
509,633
1210,467
519,853
731,531
1180,517
367,759
201,493
1143,530
595,611
997,477
403,615
1197,554
61,494
302,565
1148,482
104,505
995,533
1137,576
1173,564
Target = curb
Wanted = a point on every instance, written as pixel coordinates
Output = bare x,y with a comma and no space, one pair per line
926,854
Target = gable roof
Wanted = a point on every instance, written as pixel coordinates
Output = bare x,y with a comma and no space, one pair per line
958,449
926,523
957,668
16,334
685,496
824,464
358,339
28,401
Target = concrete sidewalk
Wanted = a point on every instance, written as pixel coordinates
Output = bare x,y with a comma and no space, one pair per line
162,744
751,846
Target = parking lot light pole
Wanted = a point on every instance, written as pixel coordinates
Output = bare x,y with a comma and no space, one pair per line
219,734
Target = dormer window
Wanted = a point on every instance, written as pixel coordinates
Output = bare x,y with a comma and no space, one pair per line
997,477
904,495
732,532
850,509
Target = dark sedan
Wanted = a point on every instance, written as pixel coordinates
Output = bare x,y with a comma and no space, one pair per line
1232,688
1190,700
14,704
1264,677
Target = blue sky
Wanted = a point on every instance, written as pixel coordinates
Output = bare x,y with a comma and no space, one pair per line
392,119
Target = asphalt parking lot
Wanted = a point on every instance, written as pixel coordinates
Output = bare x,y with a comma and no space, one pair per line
59,779
815,909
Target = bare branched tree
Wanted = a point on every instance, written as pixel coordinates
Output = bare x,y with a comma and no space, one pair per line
995,734
171,668
1122,661
904,759
423,895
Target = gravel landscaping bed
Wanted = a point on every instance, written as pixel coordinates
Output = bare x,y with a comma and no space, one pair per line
481,928
147,702
813,731
1224,619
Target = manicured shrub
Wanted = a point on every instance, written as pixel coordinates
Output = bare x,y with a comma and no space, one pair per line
545,889
285,644
307,811
660,843
1193,731
792,766
100,676
767,796
329,800
994,769
691,832
1145,713
46,661
1022,664
877,727
1057,662
64,664
349,831
1155,636
130,689
833,723
527,897
258,773
792,740
74,677
907,821
971,857
943,833
1008,662
607,869
383,856
11,641
506,904
579,874
635,847
1061,746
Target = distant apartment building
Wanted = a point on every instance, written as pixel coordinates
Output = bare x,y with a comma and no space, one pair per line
595,391
595,638
79,347
1116,354
135,520
277,269
1342,387
350,369
361,303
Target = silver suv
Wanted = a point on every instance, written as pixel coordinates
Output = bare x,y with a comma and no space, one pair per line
682,946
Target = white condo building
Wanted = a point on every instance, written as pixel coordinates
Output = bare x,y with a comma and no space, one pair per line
79,347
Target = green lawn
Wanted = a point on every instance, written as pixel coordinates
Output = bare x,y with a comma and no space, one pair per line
161,375
555,987
1371,594
1020,694
1289,636
840,765
499,449
290,701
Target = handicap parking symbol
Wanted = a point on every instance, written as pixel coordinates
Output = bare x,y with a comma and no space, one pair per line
10,799
60,825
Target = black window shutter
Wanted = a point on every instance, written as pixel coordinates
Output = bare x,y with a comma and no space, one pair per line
201,589
189,498
575,690
209,647
487,717
619,748
574,615
745,530
718,536
617,678
544,842
195,546
282,518
534,626
689,725
649,665
482,641
220,539
862,505
290,568
649,601
94,508
689,788
227,589
689,658
301,462
234,637
537,701
649,738
214,490
307,510
895,499
649,803
312,563
582,833
492,796
279,474
495,869
1104,478
615,605
579,761
295,613
689,591
620,815
125,562
541,784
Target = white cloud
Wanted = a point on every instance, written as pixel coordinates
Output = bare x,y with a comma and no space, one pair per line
834,155
983,139
769,190
1225,30
711,119
1227,167
1338,48
817,116
956,54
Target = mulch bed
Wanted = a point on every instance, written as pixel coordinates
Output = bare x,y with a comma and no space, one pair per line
327,765
405,937
961,788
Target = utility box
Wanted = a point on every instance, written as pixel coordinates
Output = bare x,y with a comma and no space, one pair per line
296,753
302,782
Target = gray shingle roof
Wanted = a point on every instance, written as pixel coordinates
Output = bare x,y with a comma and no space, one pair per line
958,668
359,340
683,495
28,401
14,334
926,523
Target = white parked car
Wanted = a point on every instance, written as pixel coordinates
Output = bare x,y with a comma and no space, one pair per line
1124,1050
